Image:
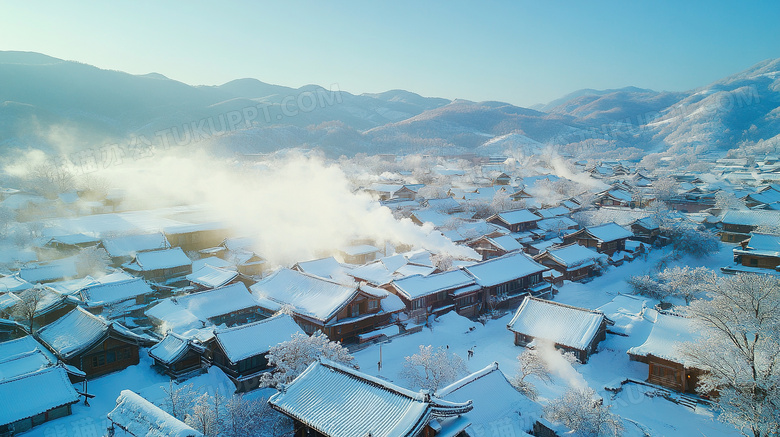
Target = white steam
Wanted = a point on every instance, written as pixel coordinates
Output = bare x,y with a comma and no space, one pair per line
295,208
559,365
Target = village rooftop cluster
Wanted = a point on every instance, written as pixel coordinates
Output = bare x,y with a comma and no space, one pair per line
92,288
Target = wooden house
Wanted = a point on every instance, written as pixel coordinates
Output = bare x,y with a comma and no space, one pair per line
333,400
161,266
438,293
358,254
646,230
11,329
760,250
519,220
494,247
178,356
91,343
577,330
507,279
573,262
65,245
607,238
123,249
196,237
116,298
229,305
136,417
340,311
34,398
242,351
667,365
615,198
736,225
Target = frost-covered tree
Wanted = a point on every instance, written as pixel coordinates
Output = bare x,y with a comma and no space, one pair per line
688,239
178,399
430,369
529,363
27,307
293,356
442,261
686,282
725,200
204,415
740,351
664,188
580,410
93,261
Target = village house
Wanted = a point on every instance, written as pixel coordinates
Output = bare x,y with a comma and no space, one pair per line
229,305
91,343
11,329
333,400
438,293
494,247
123,249
30,399
49,271
242,351
358,254
137,417
117,298
519,220
178,356
616,198
576,330
51,305
196,237
382,271
505,280
760,250
164,266
767,195
208,277
340,311
736,225
607,238
573,262
64,246
646,230
667,364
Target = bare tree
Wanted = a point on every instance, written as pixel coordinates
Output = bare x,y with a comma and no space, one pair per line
429,369
740,351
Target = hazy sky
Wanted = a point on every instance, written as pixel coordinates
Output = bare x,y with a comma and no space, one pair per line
516,51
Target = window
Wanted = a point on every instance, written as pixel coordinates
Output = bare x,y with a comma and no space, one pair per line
372,304
98,360
355,310
111,356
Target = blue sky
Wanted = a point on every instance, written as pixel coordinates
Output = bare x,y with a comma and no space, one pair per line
521,52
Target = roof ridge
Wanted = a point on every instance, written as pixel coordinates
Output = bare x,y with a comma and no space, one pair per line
552,302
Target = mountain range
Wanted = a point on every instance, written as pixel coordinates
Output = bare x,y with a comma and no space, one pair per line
58,105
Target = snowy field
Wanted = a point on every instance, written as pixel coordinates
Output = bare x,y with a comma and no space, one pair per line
491,342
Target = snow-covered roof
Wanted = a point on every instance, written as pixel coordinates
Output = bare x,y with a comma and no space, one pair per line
495,400
310,295
212,261
161,259
74,332
7,300
35,393
217,302
26,362
189,228
49,271
552,321
142,418
113,292
626,311
573,256
23,345
609,232
172,347
516,216
667,338
504,269
556,223
339,401
73,239
244,341
13,283
762,244
359,249
751,218
212,277
506,243
328,268
130,245
413,287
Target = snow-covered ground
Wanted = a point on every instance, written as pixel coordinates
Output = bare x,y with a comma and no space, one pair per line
491,342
